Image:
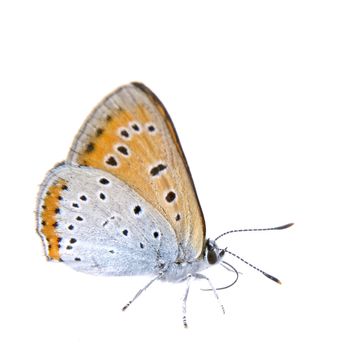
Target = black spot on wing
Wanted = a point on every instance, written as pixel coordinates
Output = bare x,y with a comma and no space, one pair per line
170,197
90,147
137,210
151,128
111,161
104,181
125,133
99,132
157,169
123,150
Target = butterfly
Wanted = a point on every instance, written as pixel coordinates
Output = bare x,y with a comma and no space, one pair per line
124,202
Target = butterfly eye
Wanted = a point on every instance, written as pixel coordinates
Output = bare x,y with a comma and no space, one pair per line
212,257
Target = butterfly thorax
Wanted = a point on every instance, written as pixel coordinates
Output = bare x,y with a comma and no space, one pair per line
179,270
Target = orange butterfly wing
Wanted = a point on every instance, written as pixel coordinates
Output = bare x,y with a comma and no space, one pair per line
130,134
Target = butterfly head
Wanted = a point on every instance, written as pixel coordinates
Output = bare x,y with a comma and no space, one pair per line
213,254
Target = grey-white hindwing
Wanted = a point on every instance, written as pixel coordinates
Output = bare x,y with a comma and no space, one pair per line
106,228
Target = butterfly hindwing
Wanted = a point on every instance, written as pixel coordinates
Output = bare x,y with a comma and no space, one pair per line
130,135
97,224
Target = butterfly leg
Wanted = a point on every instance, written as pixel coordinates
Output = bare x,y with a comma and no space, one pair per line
200,276
140,291
184,300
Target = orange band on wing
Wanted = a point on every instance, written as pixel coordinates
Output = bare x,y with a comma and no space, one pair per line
50,208
106,136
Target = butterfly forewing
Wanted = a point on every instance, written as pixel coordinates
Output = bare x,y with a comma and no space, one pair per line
130,135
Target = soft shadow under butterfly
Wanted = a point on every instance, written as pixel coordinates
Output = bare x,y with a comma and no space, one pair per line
124,202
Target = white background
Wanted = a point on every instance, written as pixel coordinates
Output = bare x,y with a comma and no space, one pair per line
259,94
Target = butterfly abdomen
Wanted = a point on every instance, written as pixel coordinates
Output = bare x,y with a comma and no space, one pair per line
178,272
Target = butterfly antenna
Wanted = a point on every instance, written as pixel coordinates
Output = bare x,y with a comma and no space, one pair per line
255,268
256,229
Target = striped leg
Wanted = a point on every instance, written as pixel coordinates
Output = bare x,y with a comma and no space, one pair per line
200,276
140,292
184,300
